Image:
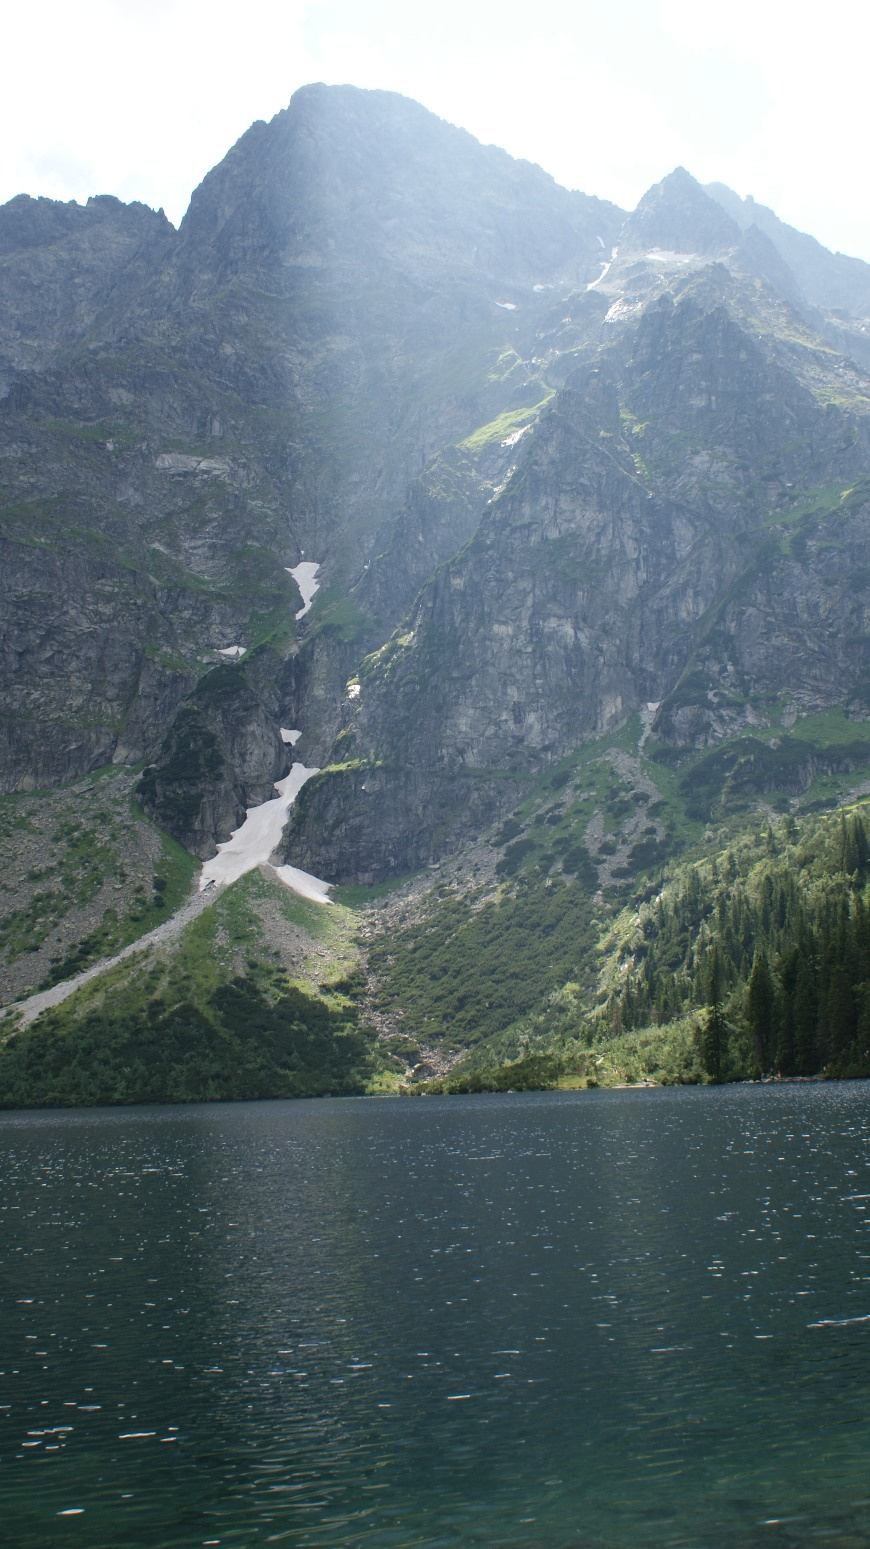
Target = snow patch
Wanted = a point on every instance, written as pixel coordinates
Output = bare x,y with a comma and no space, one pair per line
605,269
234,651
606,266
353,690
253,843
304,575
514,438
666,255
288,736
304,884
647,716
622,308
507,306
178,462
499,489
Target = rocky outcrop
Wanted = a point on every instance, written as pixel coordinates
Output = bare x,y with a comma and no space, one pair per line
676,216
71,272
344,179
222,754
187,413
829,281
647,549
545,484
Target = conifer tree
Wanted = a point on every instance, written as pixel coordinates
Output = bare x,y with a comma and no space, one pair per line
761,1009
714,1030
806,1010
786,1055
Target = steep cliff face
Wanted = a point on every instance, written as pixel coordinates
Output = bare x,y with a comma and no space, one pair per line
71,272
555,464
187,413
686,514
677,217
357,268
222,754
128,568
343,180
830,281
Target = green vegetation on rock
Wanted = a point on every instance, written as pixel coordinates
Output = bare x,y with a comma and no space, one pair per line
209,1017
766,945
469,969
84,874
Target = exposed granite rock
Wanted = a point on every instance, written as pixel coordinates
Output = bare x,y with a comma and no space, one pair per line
828,280
187,413
677,216
222,754
69,272
648,535
545,485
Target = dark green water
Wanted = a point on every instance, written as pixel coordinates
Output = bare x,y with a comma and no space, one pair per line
617,1318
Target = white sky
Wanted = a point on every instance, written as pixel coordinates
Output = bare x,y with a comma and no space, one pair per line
140,98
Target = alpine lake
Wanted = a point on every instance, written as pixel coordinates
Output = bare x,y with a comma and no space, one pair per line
609,1318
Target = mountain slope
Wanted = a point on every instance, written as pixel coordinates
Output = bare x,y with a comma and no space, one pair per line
588,498
681,529
341,283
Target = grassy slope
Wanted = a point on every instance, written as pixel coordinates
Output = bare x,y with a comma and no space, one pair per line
514,979
524,975
84,874
254,999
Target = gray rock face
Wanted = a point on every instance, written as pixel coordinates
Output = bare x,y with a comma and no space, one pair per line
647,549
544,486
187,413
828,280
222,754
345,181
69,272
677,216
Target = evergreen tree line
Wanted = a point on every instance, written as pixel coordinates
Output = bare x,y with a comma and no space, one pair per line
771,945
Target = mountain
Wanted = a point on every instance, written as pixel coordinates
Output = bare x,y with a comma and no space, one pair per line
208,405
684,527
588,497
838,286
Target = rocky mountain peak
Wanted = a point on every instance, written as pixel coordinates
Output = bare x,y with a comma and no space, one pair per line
677,216
27,223
525,467
537,561
830,281
73,269
343,178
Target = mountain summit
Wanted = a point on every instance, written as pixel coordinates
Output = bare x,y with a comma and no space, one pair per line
676,215
549,472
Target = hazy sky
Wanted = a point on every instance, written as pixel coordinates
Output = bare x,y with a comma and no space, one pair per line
140,98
